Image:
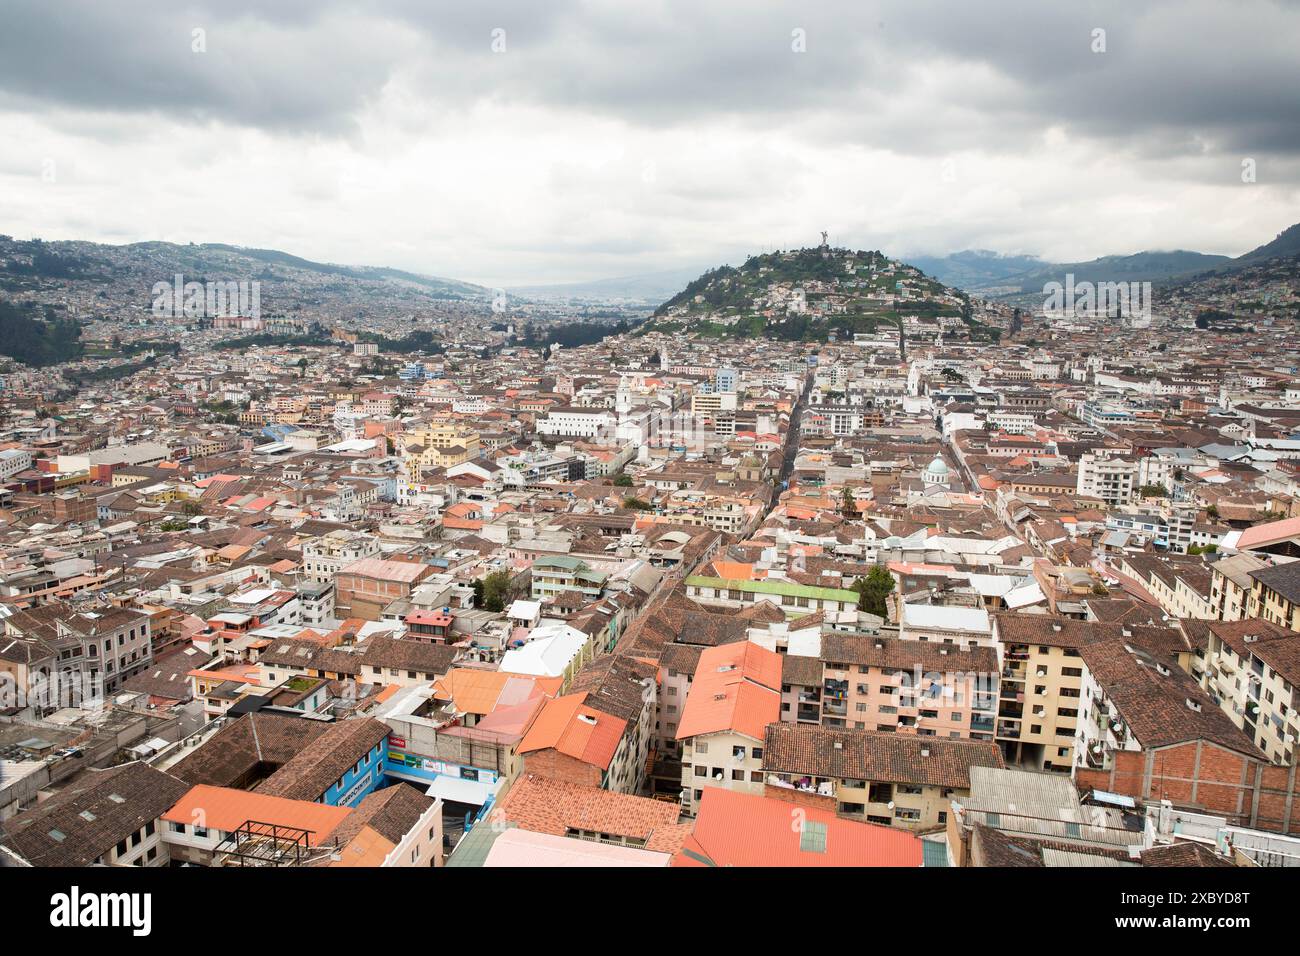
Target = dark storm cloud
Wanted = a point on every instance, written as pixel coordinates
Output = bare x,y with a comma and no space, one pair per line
1222,76
303,68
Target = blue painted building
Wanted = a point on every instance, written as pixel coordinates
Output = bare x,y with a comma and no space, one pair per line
362,778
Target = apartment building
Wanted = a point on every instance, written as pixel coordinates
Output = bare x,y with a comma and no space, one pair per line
59,658
1113,480
324,557
1184,589
712,403
886,778
555,574
1040,688
205,824
736,693
1275,594
1231,585
440,444
910,687
1252,669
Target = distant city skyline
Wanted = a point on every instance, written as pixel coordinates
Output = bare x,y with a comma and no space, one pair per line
531,144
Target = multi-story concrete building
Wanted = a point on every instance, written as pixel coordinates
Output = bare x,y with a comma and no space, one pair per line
1231,584
60,658
1252,670
1040,689
885,778
1111,479
1275,594
555,574
911,687
323,557
736,693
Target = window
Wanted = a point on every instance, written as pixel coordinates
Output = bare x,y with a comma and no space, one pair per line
812,837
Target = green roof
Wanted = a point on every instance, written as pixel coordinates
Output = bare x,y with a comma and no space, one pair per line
770,586
571,565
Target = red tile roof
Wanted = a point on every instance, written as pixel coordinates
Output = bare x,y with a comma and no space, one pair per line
737,687
741,829
566,724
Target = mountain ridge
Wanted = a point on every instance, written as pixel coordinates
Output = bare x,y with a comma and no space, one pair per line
984,272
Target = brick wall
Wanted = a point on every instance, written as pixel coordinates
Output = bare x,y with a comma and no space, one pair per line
803,798
559,766
1203,776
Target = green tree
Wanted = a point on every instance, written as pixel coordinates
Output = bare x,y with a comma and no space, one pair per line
494,590
873,590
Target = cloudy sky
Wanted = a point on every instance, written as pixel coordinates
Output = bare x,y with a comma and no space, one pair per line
551,141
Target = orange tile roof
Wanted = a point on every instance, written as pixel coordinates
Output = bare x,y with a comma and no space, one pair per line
735,570
476,691
737,687
545,805
743,829
224,808
461,524
568,725
243,673
367,848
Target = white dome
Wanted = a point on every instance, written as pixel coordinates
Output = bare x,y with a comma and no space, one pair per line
936,473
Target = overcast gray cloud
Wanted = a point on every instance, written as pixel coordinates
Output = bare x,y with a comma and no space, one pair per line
606,138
